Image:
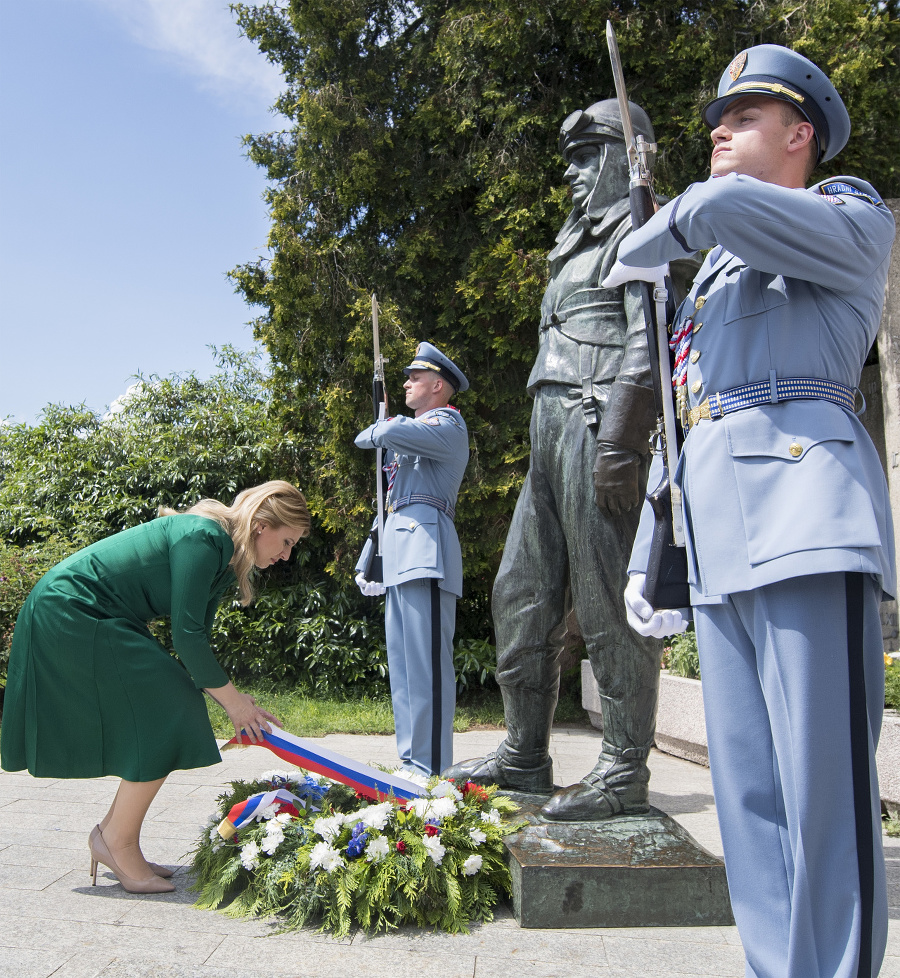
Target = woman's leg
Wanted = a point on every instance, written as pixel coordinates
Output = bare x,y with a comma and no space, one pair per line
121,826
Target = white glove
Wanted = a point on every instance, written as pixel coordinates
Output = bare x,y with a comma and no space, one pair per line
644,620
371,589
630,273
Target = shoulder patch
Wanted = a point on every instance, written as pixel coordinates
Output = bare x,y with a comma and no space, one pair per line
432,420
830,189
832,199
435,417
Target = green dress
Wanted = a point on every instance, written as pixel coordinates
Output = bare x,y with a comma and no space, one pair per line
90,691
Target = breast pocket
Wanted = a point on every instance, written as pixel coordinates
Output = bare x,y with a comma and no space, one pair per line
799,480
416,539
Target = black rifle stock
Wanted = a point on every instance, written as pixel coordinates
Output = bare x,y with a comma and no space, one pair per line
666,585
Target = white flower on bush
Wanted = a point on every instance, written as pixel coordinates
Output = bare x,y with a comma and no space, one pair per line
444,789
283,817
433,808
274,837
420,779
324,856
377,849
493,816
477,836
250,855
328,827
214,837
285,775
472,865
375,816
434,848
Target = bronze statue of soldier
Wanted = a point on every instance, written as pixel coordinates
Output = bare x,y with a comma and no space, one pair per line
575,520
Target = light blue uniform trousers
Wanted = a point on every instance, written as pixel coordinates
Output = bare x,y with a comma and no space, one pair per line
774,663
420,619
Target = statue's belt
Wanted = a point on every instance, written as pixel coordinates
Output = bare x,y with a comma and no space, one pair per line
768,392
421,497
577,315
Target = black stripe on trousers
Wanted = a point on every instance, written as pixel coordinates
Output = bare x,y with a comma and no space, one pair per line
859,756
436,684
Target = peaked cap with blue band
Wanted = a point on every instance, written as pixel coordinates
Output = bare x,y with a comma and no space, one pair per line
429,357
778,72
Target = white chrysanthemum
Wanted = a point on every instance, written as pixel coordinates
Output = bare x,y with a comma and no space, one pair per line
493,816
377,849
477,836
416,777
273,839
433,808
376,816
472,865
283,818
433,844
328,827
250,855
324,856
444,789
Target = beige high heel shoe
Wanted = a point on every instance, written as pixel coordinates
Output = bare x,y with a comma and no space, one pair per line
101,854
159,870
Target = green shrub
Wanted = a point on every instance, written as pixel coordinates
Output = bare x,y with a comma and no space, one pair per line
892,685
681,656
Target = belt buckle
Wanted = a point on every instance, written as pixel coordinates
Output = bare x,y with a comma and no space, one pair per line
700,413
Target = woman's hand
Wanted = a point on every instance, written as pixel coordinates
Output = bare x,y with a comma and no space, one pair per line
244,713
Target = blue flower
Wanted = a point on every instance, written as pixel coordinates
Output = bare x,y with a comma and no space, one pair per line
358,839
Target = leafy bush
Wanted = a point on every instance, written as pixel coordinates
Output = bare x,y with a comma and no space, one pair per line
681,656
892,685
20,569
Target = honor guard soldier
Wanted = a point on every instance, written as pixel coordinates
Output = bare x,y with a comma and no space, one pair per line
422,564
789,536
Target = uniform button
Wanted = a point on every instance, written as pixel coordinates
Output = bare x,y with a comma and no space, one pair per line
697,386
695,356
412,524
795,449
699,302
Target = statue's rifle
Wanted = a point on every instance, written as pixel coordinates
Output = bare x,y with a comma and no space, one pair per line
379,409
666,585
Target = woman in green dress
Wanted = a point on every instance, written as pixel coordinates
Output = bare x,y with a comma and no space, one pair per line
90,692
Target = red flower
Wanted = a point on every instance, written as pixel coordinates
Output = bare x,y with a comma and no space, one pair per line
286,806
432,830
470,788
401,846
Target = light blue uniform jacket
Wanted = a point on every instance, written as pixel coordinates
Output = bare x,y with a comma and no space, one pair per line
794,287
431,453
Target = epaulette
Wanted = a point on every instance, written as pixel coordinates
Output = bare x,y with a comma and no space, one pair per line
434,417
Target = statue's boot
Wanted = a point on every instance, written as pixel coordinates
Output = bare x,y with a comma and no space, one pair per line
522,762
618,785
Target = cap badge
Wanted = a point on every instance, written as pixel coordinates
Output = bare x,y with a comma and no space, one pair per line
737,66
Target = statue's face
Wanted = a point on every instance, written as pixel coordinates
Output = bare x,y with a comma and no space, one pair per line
584,168
597,172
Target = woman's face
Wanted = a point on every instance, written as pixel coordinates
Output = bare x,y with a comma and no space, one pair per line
273,543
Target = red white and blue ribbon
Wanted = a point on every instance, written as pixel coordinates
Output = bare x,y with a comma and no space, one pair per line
245,811
680,344
367,781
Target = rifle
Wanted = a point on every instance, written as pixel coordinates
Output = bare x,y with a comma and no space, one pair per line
373,571
666,585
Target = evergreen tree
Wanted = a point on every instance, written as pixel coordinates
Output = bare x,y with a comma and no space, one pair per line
421,164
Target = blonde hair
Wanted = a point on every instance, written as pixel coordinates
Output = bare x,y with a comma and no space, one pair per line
275,503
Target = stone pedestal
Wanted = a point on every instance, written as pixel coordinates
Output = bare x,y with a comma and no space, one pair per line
642,871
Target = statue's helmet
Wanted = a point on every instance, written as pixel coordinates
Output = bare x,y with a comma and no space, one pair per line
601,122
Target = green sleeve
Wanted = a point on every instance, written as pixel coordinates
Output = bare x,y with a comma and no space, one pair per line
196,560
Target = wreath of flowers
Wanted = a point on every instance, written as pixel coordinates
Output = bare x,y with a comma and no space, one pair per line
436,861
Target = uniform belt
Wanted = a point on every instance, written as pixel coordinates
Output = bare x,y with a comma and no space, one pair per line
420,497
770,392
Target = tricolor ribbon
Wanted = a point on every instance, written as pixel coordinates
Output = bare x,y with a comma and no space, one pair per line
245,811
367,781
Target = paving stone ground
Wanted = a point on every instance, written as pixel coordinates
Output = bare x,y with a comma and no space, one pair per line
54,923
